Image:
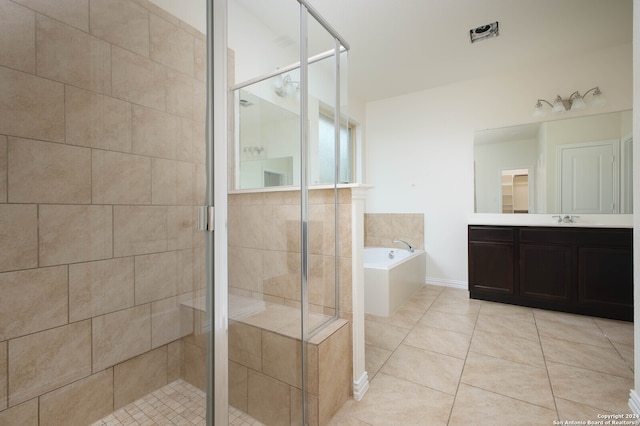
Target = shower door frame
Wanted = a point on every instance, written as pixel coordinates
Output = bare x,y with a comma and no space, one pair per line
218,90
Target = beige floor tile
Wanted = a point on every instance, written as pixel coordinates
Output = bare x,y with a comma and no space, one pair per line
452,322
569,410
511,327
478,407
579,332
436,371
508,378
384,336
440,341
406,317
514,349
508,311
596,358
374,359
616,331
626,352
460,307
564,317
393,401
588,387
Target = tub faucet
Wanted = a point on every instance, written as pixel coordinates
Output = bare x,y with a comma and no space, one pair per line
408,245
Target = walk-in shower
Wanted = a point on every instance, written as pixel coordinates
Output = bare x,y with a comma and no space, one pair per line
118,287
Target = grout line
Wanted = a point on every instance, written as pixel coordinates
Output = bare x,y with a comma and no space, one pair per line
546,368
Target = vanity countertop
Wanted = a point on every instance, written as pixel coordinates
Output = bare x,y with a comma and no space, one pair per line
583,221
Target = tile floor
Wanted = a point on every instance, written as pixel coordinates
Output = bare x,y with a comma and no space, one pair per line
444,359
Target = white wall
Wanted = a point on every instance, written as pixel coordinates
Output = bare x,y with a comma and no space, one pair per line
419,153
636,191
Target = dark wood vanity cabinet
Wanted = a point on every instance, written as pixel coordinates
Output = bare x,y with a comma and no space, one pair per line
580,270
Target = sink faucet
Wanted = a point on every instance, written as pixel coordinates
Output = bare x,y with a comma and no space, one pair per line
408,245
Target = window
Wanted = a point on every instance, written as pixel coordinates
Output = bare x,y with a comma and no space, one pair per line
327,150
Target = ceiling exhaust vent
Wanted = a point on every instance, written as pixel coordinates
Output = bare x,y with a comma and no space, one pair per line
484,32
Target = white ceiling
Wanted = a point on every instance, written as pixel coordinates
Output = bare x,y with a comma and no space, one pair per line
403,46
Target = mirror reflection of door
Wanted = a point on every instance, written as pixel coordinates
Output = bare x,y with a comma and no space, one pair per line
515,191
589,177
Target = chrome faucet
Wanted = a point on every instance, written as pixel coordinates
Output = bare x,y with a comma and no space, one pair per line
408,245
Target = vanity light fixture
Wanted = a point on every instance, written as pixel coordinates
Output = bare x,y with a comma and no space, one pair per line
575,101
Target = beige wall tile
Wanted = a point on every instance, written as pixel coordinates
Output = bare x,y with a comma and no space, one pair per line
97,121
83,117
44,361
334,371
344,277
281,358
79,403
200,102
200,64
170,320
3,376
181,222
24,414
187,262
19,236
282,274
32,300
245,345
116,120
171,45
245,226
138,79
70,234
72,56
174,355
165,180
119,178
186,175
193,368
180,94
238,386
268,400
245,268
156,277
30,106
120,335
72,12
45,172
3,169
121,22
185,150
155,133
137,377
17,37
98,288
139,230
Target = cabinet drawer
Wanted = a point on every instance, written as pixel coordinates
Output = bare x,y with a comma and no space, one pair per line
491,233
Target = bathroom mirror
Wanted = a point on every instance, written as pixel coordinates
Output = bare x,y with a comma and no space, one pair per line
580,165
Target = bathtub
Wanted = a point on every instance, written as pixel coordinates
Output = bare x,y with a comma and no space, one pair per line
389,282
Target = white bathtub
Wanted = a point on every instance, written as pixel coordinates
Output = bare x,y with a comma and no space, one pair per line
389,282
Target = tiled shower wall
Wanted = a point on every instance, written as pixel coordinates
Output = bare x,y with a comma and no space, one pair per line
381,229
264,248
102,106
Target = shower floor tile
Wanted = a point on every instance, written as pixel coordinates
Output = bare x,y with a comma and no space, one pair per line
177,403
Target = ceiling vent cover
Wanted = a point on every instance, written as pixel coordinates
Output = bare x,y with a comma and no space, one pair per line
484,32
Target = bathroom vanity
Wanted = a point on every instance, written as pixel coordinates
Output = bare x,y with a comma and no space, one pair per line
584,270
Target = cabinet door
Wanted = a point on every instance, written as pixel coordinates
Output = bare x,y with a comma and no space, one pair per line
546,272
605,277
491,267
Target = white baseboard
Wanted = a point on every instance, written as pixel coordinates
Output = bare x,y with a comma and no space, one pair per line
634,401
361,386
464,285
